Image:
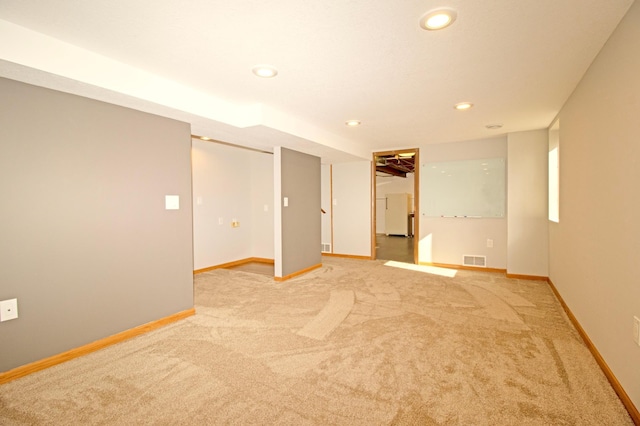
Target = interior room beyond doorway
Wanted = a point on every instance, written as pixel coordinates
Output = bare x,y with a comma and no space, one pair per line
394,247
395,189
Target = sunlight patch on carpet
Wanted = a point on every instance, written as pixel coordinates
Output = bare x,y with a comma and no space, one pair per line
434,270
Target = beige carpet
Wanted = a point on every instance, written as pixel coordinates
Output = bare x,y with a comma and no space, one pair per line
352,343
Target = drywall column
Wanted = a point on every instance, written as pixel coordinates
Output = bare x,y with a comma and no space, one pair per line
297,194
527,227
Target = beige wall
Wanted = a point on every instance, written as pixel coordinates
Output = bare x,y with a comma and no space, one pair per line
262,234
87,246
527,226
446,240
221,194
231,184
325,204
352,208
595,248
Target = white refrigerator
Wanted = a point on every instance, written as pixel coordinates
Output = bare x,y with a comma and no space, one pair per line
396,215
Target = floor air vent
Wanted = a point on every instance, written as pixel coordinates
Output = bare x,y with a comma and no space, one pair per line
477,261
325,248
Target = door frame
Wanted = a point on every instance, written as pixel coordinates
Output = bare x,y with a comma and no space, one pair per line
416,199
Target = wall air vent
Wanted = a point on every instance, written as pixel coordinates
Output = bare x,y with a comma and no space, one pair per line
325,248
476,261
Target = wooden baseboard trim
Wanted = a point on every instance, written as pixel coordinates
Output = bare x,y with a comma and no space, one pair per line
502,271
234,263
615,384
297,273
466,268
347,256
42,364
261,260
527,277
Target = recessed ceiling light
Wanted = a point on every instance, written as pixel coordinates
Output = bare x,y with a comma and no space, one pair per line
265,71
352,123
463,106
438,19
493,126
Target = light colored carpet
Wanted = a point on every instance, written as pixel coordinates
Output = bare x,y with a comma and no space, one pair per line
352,343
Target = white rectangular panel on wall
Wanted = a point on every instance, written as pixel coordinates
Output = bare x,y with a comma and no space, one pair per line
471,188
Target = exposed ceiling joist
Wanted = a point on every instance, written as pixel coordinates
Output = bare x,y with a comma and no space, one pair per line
395,164
391,171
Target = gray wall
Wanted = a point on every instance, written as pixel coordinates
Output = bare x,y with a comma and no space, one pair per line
86,244
595,248
300,222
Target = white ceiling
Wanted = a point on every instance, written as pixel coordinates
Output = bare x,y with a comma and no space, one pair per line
516,60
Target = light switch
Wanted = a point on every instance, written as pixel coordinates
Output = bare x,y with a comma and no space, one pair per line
172,202
199,201
286,201
8,309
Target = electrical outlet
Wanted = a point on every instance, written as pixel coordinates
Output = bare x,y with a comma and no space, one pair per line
8,309
636,330
489,243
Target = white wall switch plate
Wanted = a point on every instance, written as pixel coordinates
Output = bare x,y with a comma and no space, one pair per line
199,201
220,221
286,201
172,202
8,309
489,243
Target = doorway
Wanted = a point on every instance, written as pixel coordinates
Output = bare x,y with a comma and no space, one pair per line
395,184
